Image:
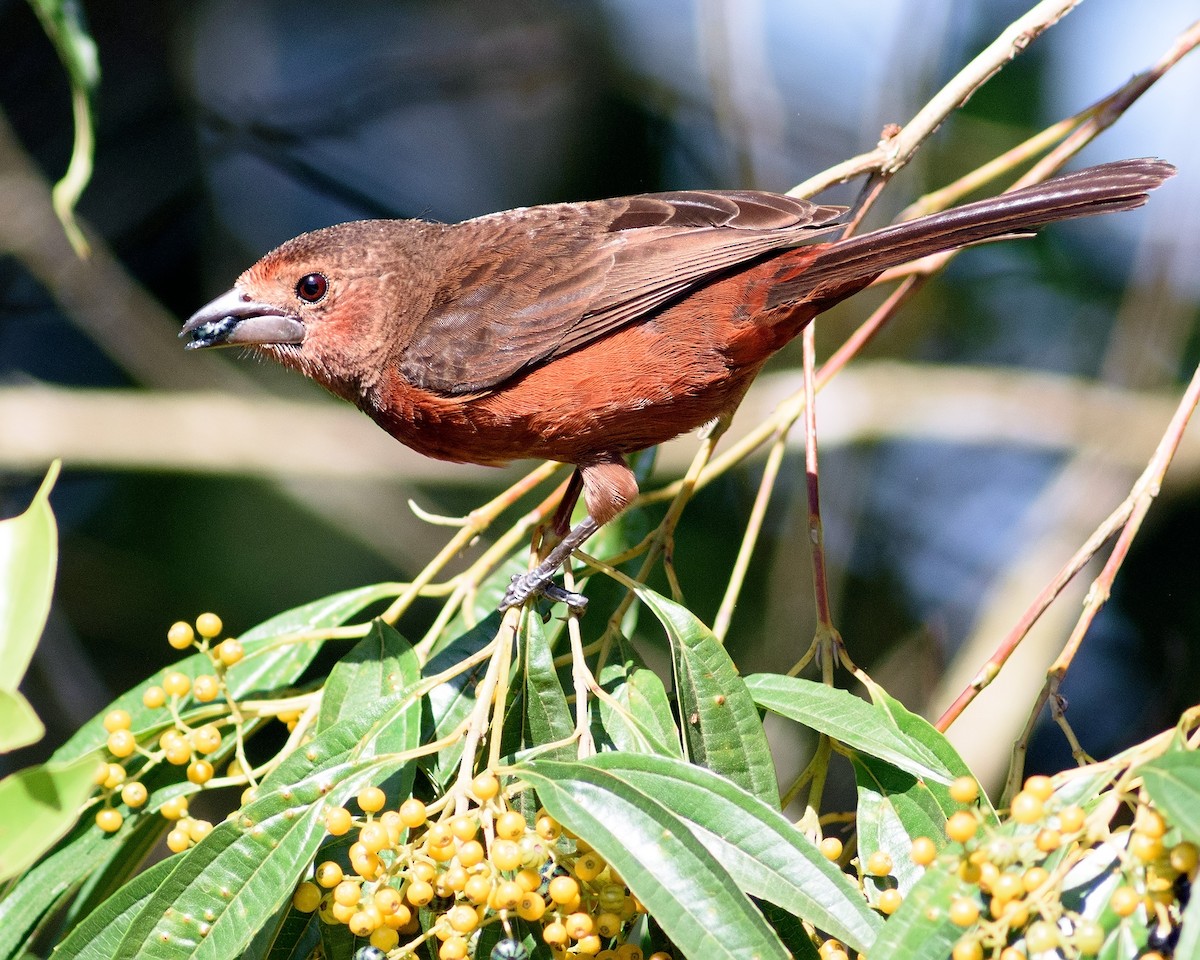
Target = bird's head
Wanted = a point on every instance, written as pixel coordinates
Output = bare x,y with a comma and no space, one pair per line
322,302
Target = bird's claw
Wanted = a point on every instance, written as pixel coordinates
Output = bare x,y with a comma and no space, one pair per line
526,585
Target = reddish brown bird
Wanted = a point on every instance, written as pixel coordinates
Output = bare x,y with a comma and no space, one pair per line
581,332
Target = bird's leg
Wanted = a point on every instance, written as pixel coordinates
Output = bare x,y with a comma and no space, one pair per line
608,487
561,524
537,580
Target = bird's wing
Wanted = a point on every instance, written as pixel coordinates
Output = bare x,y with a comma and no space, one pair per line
523,287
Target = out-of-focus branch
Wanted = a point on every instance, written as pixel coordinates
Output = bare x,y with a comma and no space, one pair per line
96,294
895,151
211,432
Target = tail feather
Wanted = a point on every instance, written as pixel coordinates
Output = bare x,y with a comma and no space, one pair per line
850,264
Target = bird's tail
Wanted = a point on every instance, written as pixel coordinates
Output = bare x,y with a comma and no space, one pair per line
850,264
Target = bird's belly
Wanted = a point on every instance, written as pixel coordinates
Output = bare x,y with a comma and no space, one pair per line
631,390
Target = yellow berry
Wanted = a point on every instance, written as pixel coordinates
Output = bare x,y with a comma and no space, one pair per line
365,922
371,799
197,829
207,739
1087,937
180,636
507,895
470,853
1027,807
177,684
1007,886
328,874
453,948
889,901
121,743
342,912
462,918
547,827
1149,823
174,809
505,855
967,950
510,825
209,625
423,871
629,951
563,889
554,933
1041,936
117,719
419,893
412,812
200,772
153,697
1034,877
230,652
1040,786
178,840
923,852
485,786
464,828
961,826
478,889
879,864
579,925
385,939
963,911
347,893
109,820
964,790
528,879
1048,840
831,848
115,776
307,897
589,866
1184,858
1071,819
338,821
373,836
1124,901
206,688
589,946
1145,847
827,947
134,794
531,906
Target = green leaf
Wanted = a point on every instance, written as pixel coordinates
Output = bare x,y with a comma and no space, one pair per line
721,723
921,928
235,880
272,661
37,806
98,936
41,890
695,901
849,720
1173,781
547,717
645,724
64,25
894,807
767,856
381,663
28,561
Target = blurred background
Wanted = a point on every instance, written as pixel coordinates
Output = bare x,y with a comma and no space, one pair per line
998,420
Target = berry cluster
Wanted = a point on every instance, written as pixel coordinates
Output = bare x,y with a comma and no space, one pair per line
181,745
1018,872
481,865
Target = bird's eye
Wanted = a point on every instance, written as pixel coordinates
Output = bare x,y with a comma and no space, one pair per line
312,288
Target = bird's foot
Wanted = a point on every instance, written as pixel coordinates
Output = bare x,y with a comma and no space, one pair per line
532,584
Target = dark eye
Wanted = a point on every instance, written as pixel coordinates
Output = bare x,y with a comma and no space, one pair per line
312,288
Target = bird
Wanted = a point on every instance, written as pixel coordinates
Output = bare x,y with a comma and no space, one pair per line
583,332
